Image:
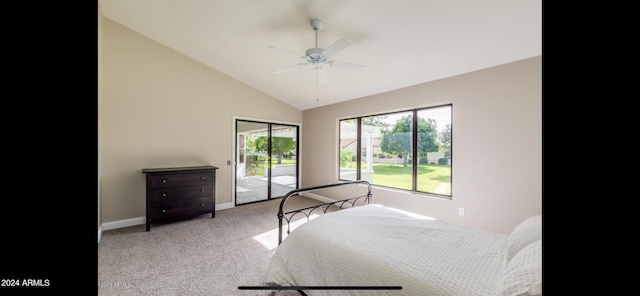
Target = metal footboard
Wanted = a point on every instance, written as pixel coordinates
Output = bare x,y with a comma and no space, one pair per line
338,204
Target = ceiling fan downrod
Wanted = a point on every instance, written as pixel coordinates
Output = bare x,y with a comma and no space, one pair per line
314,55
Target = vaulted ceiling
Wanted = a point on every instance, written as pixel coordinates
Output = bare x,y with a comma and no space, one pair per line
401,42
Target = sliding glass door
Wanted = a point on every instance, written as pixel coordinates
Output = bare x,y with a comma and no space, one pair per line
266,160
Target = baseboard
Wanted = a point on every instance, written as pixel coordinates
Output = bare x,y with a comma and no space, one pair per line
123,223
142,220
224,206
317,197
324,199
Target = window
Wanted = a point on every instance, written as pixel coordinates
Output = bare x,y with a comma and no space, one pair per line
381,149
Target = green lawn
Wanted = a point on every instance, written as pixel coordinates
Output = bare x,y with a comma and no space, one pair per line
274,160
430,176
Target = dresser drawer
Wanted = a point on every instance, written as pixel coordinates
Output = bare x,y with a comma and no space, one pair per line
179,180
181,192
168,211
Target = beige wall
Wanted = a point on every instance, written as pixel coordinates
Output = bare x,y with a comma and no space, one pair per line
160,109
497,144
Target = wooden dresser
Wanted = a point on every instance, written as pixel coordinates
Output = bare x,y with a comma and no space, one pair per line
180,193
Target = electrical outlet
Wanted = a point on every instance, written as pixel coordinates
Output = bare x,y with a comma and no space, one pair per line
461,211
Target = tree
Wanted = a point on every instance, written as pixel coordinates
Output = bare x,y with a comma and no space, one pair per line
376,121
346,157
399,139
279,145
427,136
446,141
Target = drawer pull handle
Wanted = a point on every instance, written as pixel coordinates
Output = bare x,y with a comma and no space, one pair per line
202,190
202,178
164,194
202,205
164,181
164,211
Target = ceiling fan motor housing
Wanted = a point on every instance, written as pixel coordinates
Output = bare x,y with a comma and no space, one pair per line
314,55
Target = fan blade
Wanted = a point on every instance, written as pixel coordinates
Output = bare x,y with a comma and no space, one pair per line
286,51
335,47
346,65
289,68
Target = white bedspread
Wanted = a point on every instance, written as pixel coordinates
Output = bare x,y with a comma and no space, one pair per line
374,245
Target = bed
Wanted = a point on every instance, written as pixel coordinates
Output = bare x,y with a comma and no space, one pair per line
356,247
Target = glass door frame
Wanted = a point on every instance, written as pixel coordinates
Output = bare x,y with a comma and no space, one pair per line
241,141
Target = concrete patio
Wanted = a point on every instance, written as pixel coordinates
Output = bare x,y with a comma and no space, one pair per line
254,188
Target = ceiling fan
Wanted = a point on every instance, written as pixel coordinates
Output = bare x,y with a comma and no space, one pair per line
319,57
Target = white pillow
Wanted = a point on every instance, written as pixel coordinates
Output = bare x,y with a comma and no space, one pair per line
528,231
523,274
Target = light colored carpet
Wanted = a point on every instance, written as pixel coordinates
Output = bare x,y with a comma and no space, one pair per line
200,256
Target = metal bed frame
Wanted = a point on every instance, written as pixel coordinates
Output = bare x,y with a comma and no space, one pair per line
338,204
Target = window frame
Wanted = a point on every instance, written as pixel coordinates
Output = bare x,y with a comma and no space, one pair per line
414,148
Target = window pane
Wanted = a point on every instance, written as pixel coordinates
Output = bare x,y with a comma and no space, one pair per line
381,150
387,156
348,146
434,149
